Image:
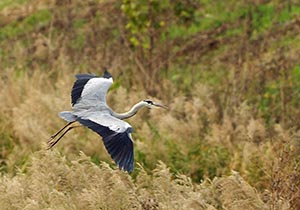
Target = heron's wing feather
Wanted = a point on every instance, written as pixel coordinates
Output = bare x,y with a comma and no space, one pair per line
67,116
79,84
90,88
116,136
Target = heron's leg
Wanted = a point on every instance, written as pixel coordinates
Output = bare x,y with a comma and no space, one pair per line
52,142
58,132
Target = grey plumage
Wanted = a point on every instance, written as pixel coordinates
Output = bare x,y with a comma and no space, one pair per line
89,108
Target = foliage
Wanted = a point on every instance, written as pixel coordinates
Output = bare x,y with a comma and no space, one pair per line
147,31
229,73
35,21
54,182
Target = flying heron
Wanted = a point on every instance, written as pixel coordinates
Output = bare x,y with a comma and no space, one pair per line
89,108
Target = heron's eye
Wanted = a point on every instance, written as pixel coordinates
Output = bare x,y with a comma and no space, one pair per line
149,102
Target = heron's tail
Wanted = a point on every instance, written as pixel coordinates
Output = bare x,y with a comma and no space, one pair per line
67,116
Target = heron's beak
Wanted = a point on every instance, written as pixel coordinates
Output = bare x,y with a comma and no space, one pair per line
160,105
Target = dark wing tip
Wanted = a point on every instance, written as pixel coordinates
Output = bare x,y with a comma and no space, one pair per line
106,74
120,148
118,145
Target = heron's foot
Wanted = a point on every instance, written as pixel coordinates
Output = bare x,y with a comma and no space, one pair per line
51,142
50,139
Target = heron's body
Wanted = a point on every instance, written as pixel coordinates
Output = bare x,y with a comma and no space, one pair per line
89,108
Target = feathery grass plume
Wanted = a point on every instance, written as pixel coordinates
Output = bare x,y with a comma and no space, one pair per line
52,181
256,131
285,173
168,192
232,90
235,193
13,192
245,137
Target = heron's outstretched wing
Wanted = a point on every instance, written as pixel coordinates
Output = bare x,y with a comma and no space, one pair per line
89,87
116,135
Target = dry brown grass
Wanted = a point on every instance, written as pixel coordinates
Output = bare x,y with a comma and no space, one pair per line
265,157
228,141
53,182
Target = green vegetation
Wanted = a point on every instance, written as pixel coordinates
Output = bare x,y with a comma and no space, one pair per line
228,71
10,3
33,22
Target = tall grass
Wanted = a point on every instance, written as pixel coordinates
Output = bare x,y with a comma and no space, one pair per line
54,182
229,140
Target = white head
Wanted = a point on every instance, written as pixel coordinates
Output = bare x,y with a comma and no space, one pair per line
151,104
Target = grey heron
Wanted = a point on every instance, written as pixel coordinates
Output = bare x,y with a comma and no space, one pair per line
89,108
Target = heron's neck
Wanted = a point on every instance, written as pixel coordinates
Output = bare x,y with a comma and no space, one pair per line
130,113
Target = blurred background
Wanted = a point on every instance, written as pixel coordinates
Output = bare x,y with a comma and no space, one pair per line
229,71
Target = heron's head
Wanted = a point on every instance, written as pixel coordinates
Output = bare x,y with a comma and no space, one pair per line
151,104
